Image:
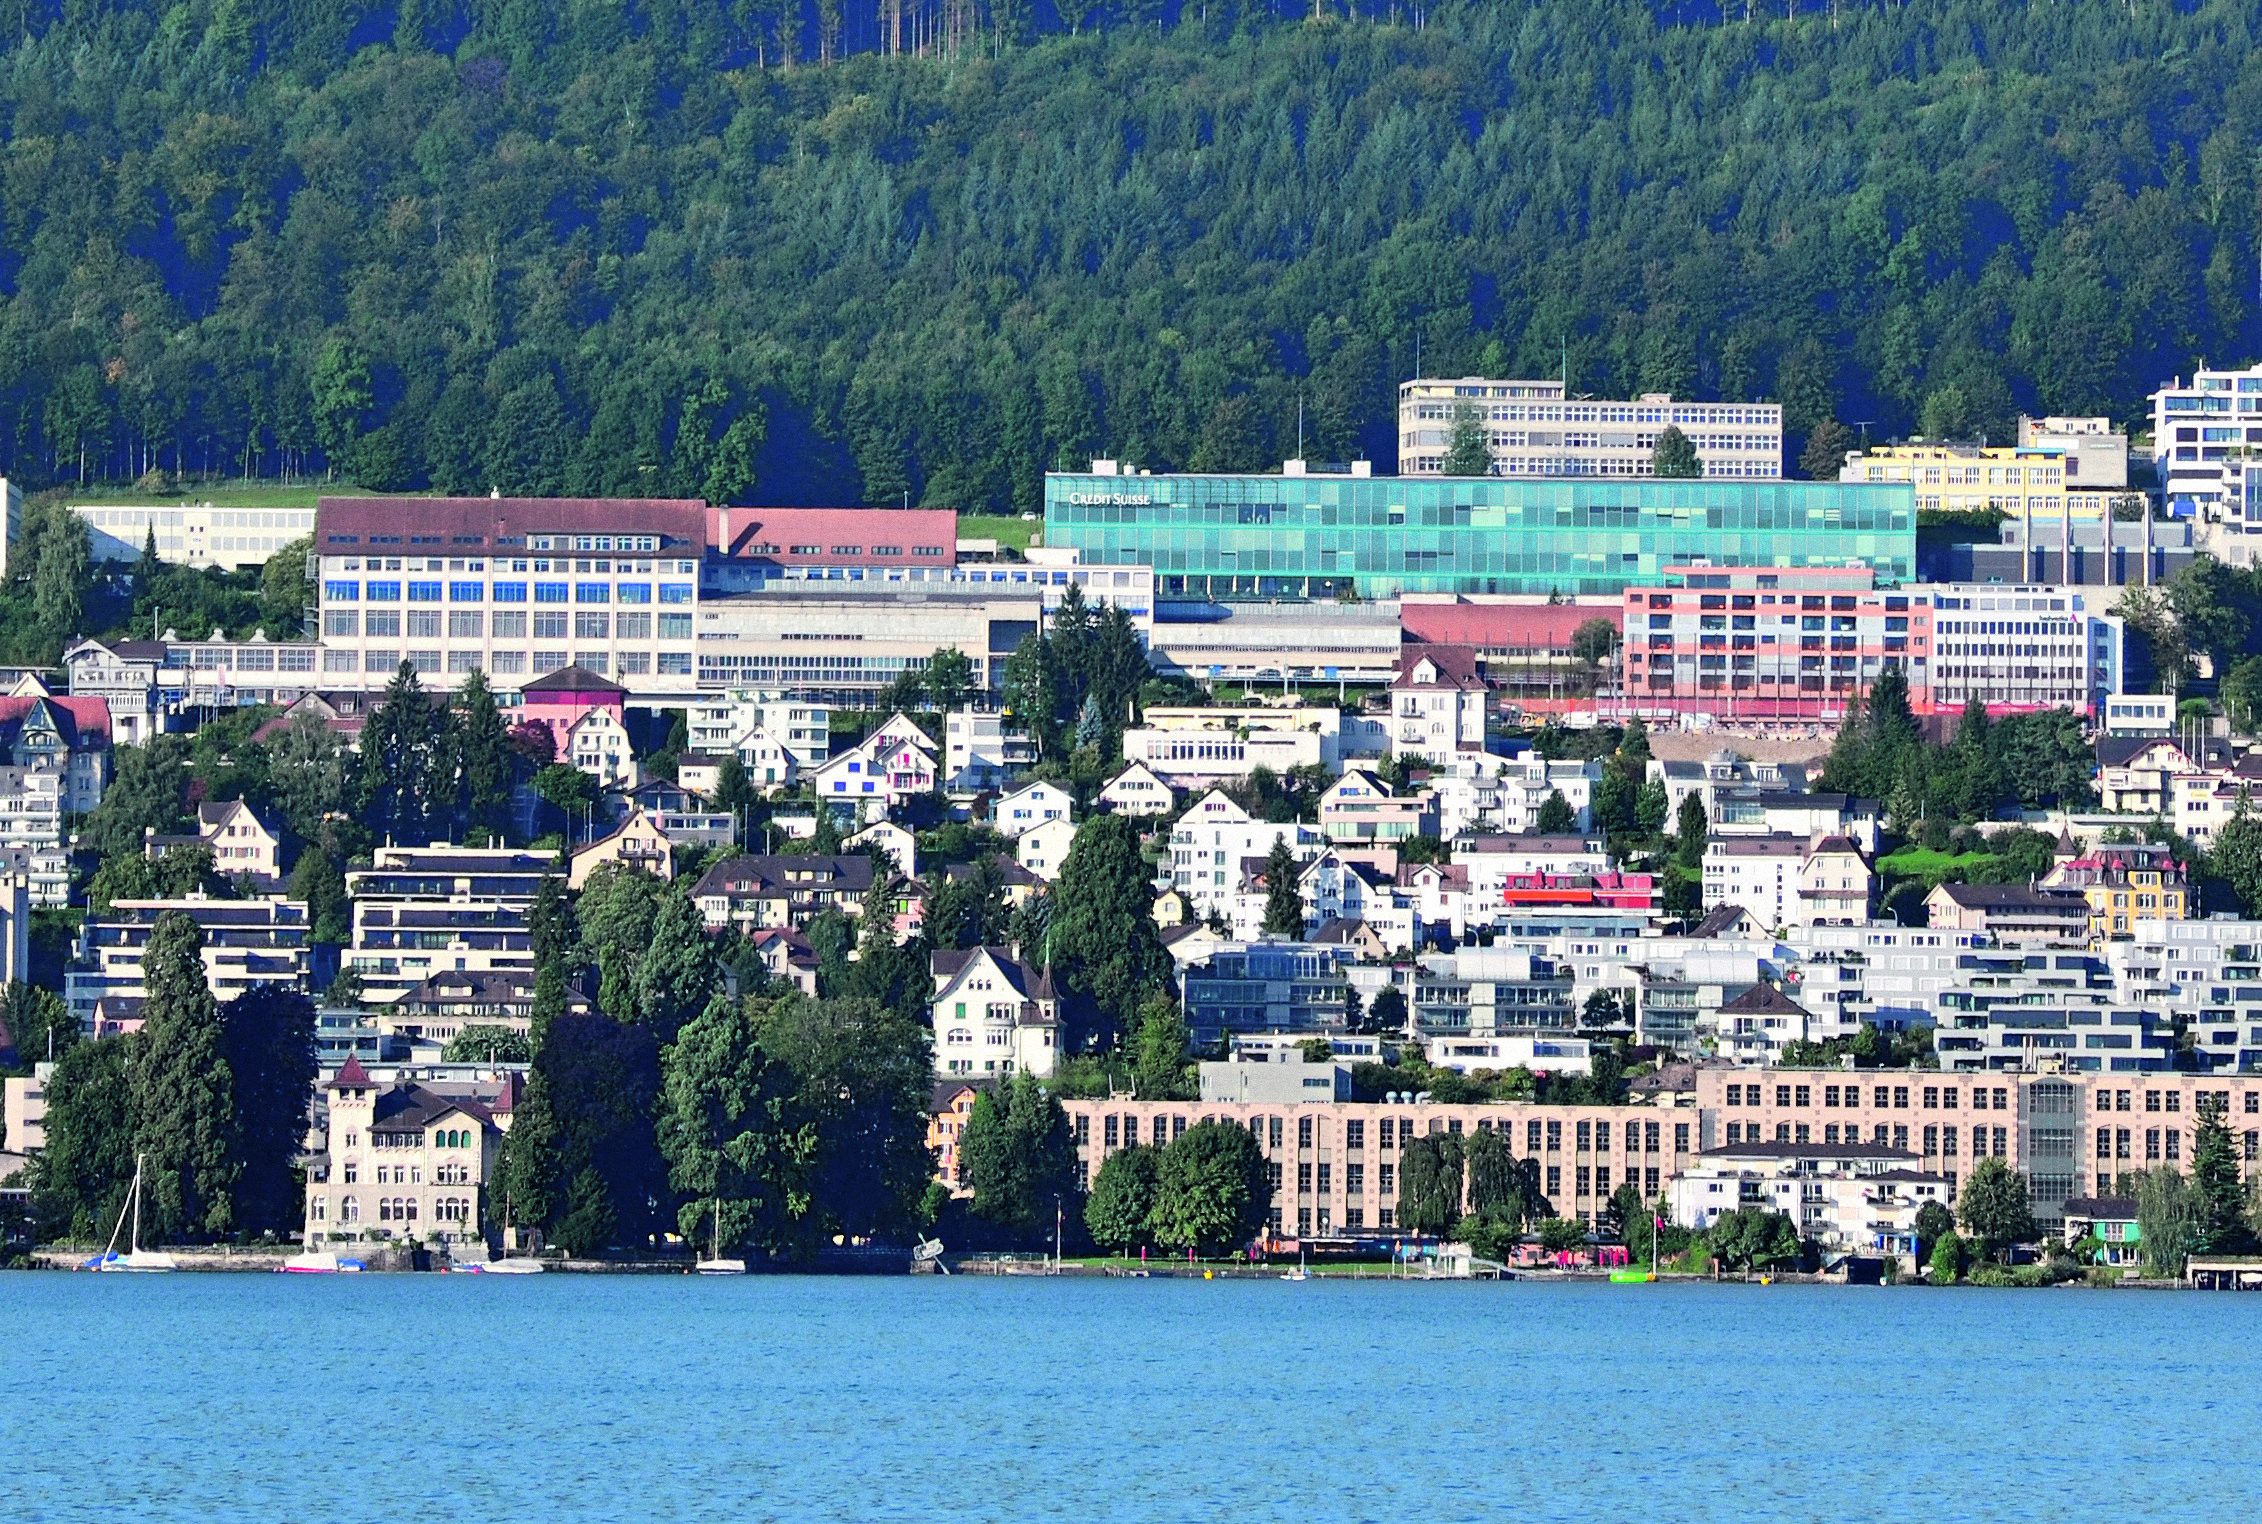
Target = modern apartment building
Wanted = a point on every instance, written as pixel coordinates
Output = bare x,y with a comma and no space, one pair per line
2206,433
513,587
420,911
1536,428
246,942
193,534
2024,646
1243,537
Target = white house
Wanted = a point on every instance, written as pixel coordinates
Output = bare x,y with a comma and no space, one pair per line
1138,790
1437,703
1210,840
1043,848
597,743
993,1014
900,845
1031,805
979,752
878,772
242,844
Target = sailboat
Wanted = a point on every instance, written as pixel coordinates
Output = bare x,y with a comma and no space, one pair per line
714,1263
136,1259
1302,1272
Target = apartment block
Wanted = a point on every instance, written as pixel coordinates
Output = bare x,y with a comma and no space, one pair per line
1536,428
514,587
2024,646
2205,434
1334,1164
246,942
421,911
2042,484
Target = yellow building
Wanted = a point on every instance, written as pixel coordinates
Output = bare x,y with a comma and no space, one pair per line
2027,482
2124,885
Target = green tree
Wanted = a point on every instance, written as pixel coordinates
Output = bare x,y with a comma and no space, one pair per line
949,677
1120,1212
677,974
1556,817
317,884
485,761
581,1160
618,908
1429,1183
1751,1237
2236,856
1675,455
1825,453
80,1179
481,1042
1019,1159
1992,1206
1159,1074
1284,900
737,1156
1104,944
1562,1235
37,1022
1211,1191
186,1122
2167,1216
1466,451
401,760
269,1033
1388,1013
1947,1259
2219,1197
145,795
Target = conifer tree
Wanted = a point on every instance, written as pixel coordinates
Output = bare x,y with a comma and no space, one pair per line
1466,452
678,974
184,1093
1675,456
400,748
484,759
1284,900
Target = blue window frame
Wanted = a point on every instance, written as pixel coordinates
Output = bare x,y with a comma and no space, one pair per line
592,592
549,592
675,592
467,592
636,592
341,592
384,592
424,592
510,592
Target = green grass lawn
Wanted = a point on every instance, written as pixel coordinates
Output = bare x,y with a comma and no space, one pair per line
1921,862
221,494
1016,532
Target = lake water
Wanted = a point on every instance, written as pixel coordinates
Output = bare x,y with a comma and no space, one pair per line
283,1398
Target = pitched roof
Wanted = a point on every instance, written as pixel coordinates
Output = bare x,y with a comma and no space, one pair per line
572,680
2106,1208
2013,897
762,873
1455,666
2118,751
507,520
350,1073
1720,920
1027,982
1762,1000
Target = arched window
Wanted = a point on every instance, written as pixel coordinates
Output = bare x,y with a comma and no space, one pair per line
349,1210
384,1209
411,1205
321,1208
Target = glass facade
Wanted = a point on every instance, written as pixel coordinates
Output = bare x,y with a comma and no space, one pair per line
1227,537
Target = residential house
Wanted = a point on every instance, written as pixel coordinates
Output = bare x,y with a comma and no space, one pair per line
993,1014
699,773
1260,984
2124,886
402,1161
1528,781
2012,914
980,753
1359,807
1760,873
1850,1197
1029,806
638,842
1755,1025
786,955
1138,790
2136,774
1043,849
560,701
436,1011
800,732
124,675
756,891
878,772
1836,884
1190,747
947,1113
598,744
1211,839
2112,1221
900,845
243,845
1437,703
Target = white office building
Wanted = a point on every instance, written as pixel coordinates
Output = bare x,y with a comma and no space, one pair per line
2204,432
2025,646
1533,428
192,534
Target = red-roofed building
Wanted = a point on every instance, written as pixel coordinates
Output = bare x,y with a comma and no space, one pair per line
515,587
1437,703
758,545
1524,646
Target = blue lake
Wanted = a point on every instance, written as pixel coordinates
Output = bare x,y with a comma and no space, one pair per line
567,1397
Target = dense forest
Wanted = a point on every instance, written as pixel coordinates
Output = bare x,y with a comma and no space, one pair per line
817,251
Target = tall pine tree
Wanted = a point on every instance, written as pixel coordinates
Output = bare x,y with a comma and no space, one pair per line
188,1128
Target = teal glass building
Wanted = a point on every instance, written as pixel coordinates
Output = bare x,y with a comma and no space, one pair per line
1226,537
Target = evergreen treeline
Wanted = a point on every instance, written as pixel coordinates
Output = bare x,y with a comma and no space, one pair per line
755,252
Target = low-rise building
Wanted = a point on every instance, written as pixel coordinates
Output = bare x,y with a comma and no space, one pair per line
243,845
640,842
1266,984
2124,885
1192,748
762,890
436,1012
124,675
1210,842
1138,790
1292,1081
2013,914
1437,703
1359,807
402,1161
2112,1221
979,752
246,943
993,1014
1044,849
1031,805
1849,1197
879,772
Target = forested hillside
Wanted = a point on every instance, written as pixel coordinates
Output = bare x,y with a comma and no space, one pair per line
758,251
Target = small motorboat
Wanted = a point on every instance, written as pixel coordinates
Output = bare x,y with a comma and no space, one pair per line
721,1267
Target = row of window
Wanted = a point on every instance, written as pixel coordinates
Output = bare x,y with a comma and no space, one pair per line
1895,1097
509,663
504,624
350,591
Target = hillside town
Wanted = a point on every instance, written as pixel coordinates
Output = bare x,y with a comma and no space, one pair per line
1587,848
